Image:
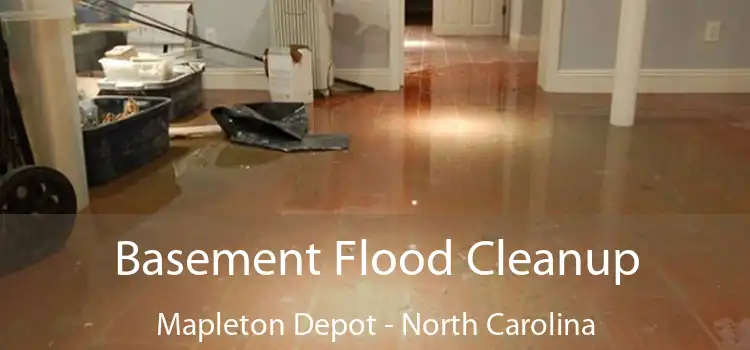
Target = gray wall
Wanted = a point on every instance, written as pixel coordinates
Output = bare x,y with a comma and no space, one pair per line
239,24
674,34
361,37
531,23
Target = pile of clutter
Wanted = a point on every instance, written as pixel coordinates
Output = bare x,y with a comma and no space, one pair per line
91,118
130,72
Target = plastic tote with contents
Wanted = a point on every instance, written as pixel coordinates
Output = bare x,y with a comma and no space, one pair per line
138,70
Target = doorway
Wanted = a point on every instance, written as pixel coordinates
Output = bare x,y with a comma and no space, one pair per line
469,17
443,18
455,17
418,12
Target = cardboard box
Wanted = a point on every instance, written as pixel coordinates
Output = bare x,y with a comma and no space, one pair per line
290,76
295,51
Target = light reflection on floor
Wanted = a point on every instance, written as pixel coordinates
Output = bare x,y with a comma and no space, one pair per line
469,150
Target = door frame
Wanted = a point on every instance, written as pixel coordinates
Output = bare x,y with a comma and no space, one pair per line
397,16
549,77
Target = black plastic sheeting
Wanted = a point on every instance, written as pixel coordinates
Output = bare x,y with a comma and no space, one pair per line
280,126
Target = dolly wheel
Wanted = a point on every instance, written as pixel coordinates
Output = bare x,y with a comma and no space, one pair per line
37,190
37,214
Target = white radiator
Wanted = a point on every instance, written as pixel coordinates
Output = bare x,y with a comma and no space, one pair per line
309,23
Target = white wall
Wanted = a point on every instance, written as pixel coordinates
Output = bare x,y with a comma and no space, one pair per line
361,39
579,46
361,34
525,23
674,34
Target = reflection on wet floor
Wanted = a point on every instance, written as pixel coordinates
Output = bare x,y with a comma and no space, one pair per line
470,150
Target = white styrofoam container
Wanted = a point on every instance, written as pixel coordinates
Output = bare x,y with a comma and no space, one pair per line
180,72
135,71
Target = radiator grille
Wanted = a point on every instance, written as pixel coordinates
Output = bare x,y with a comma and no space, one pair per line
304,22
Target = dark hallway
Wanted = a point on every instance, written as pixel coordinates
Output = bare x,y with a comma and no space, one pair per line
418,12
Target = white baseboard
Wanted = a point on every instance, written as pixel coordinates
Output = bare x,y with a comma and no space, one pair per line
664,81
255,78
524,42
378,78
235,79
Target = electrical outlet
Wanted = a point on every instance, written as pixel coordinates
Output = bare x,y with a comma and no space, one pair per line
210,34
713,31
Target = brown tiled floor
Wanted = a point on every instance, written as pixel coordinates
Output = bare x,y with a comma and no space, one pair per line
470,150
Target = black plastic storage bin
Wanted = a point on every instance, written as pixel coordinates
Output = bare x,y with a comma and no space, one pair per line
185,91
115,149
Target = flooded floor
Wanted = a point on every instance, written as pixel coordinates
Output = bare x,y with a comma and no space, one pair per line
468,151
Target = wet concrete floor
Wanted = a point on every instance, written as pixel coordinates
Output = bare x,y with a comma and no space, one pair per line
470,150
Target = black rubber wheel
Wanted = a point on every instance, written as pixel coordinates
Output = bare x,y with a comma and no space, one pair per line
38,206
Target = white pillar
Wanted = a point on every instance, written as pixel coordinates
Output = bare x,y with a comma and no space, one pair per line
614,180
628,62
40,45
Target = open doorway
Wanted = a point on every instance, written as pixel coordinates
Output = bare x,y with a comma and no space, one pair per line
416,20
418,12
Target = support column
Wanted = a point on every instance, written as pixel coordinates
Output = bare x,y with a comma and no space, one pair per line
614,182
628,62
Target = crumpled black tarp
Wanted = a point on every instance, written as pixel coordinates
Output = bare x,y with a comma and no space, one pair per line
280,126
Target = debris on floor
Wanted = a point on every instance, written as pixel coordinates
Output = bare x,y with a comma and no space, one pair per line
741,124
194,131
405,309
279,126
649,329
545,228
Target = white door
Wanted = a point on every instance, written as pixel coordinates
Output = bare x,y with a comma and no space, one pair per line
468,17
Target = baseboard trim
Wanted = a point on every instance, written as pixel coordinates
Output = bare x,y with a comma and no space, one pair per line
255,78
235,79
683,81
524,42
380,79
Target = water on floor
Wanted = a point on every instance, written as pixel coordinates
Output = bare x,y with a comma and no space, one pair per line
468,151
